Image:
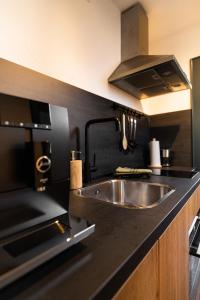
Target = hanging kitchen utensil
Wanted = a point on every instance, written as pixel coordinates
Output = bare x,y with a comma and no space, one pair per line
132,130
124,138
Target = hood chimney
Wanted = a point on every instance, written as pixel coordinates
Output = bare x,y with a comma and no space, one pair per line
140,74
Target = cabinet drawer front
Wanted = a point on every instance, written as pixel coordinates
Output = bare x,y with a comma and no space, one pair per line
143,282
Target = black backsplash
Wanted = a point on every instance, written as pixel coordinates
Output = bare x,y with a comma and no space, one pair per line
106,145
174,131
82,106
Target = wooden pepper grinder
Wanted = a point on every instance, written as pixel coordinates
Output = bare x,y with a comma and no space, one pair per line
76,181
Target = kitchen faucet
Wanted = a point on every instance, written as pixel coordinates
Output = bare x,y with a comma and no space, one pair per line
87,167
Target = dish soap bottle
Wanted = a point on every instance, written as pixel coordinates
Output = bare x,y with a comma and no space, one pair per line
76,181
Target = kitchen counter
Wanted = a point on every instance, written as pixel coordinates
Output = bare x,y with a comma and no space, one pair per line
99,265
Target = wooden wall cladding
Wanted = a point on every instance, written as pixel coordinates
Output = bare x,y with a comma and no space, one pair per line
82,106
174,131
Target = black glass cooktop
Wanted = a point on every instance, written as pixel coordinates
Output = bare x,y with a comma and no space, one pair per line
176,173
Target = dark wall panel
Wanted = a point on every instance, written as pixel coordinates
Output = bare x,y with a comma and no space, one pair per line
82,106
196,111
174,131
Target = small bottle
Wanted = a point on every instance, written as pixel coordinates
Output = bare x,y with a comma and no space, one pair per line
76,180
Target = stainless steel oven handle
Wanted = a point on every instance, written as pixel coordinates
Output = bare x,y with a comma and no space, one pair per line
198,250
194,237
192,226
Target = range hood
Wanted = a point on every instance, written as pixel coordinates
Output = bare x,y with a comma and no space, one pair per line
140,74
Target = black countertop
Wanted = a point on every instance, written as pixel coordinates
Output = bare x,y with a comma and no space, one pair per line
96,267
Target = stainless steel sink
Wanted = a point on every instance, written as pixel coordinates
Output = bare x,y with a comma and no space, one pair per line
127,193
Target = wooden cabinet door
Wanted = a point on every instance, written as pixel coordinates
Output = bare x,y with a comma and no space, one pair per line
164,272
197,199
174,256
143,282
193,206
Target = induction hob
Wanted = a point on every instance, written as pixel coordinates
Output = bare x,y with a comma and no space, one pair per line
175,173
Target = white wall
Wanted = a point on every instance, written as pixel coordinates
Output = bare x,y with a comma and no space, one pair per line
76,41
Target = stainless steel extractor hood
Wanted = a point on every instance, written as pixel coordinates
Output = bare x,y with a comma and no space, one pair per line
140,74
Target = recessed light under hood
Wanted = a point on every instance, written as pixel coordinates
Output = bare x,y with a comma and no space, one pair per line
140,74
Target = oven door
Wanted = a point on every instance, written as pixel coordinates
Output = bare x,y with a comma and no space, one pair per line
194,237
194,257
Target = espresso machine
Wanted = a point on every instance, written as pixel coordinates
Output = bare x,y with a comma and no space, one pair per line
35,224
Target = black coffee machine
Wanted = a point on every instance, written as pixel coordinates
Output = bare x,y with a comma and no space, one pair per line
35,224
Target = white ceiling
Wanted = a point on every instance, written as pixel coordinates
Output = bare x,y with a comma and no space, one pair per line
167,17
